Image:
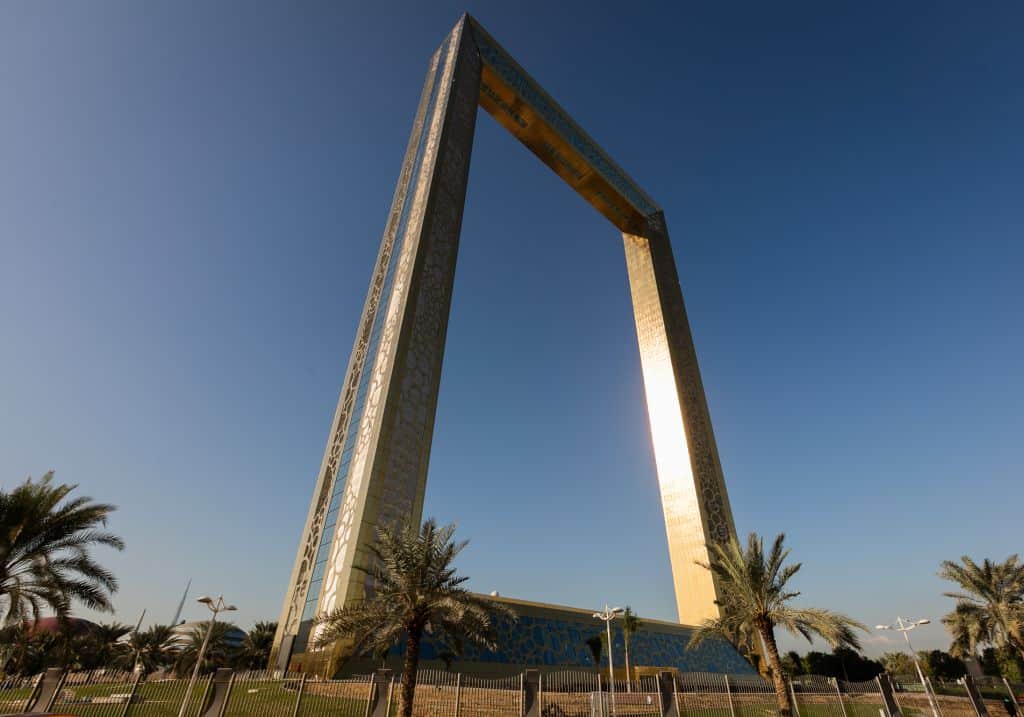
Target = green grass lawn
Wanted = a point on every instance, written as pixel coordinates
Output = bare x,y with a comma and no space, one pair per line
13,700
152,699
275,700
163,699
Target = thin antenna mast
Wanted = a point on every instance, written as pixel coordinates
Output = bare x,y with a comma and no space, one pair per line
181,605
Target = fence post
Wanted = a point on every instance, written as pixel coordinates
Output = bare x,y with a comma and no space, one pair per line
131,694
728,692
974,696
381,679
298,694
522,699
221,687
531,693
46,693
839,694
792,692
667,694
1013,697
371,694
458,692
885,690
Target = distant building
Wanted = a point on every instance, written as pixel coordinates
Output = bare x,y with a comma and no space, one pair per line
54,625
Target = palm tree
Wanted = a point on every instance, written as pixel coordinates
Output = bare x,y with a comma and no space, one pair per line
754,599
148,650
596,643
44,551
415,591
630,626
25,652
102,646
990,610
254,652
219,651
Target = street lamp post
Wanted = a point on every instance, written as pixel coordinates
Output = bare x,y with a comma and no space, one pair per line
216,605
905,625
609,614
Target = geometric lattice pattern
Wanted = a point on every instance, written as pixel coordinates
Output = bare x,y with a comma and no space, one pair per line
560,640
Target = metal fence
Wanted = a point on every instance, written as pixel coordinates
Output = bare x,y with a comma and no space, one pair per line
862,699
106,693
709,694
441,693
484,697
569,693
15,693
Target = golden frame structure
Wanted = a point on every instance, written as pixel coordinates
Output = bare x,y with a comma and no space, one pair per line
374,469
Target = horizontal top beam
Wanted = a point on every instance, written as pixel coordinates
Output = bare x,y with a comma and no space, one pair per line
520,105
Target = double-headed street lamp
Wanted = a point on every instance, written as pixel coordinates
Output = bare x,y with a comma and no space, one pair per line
905,625
216,605
609,614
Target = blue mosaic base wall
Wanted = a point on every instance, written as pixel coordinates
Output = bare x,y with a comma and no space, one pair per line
561,641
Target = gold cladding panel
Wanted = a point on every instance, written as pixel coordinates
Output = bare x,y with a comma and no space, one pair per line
684,519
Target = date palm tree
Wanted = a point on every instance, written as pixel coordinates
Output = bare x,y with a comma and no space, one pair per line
990,608
45,542
148,650
220,650
254,652
103,645
415,591
630,626
754,599
595,644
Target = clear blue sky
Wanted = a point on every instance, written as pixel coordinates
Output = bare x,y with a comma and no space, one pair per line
191,200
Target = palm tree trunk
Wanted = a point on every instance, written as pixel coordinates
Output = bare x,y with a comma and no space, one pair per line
629,676
407,689
767,633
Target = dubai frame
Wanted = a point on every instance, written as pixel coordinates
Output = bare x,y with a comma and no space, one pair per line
374,469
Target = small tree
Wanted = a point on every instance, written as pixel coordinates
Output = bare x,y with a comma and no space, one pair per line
1002,662
28,652
254,652
415,591
102,645
941,665
219,650
791,664
149,650
630,626
898,663
595,642
755,598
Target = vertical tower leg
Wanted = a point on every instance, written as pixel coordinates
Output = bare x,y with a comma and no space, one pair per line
693,494
375,466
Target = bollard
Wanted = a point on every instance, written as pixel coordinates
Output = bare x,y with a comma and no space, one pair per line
974,696
47,691
221,687
667,688
892,709
382,693
1012,699
531,693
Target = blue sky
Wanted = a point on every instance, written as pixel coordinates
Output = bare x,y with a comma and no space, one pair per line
191,199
